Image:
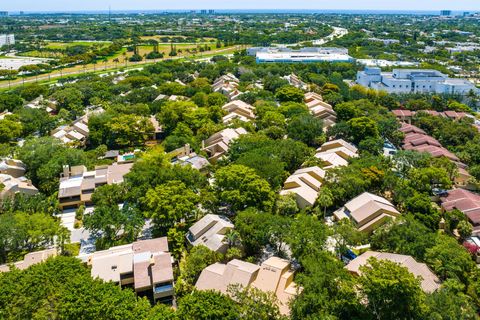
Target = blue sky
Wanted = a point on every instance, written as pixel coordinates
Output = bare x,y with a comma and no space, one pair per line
76,5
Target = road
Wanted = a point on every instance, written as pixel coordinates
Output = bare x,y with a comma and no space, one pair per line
104,68
337,33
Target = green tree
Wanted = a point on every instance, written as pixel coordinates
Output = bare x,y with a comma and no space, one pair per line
207,305
255,304
306,129
169,203
289,93
362,128
240,187
391,290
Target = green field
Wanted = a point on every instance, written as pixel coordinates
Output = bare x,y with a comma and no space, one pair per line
63,45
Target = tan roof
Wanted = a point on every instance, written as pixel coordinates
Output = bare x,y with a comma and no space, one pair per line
429,282
30,259
367,210
273,275
305,184
210,231
338,143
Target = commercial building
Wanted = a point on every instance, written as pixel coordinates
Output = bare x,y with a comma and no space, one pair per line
238,110
77,184
145,266
336,153
303,55
12,179
320,109
7,40
274,275
305,184
217,145
367,211
3,14
413,81
465,201
30,259
210,232
429,281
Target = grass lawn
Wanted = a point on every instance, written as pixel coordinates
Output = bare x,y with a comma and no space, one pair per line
63,45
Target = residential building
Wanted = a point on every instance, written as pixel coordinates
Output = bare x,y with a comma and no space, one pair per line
217,145
12,167
413,81
336,153
465,201
7,40
5,114
407,115
144,265
274,275
303,55
228,86
238,109
295,81
429,281
210,232
386,42
30,259
305,184
184,156
12,179
77,132
416,139
77,184
320,109
367,211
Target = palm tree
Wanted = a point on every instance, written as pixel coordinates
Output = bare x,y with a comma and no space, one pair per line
325,199
232,238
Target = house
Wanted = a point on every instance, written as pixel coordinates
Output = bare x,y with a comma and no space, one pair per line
305,184
429,281
30,259
336,153
320,109
228,86
184,156
238,109
367,211
295,81
274,275
12,179
217,145
144,265
77,131
407,115
465,201
210,231
416,139
77,184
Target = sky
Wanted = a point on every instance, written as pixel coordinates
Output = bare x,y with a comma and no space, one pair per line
87,5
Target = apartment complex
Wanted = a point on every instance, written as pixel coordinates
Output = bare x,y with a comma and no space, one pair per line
367,211
30,259
77,184
77,131
238,110
320,109
295,81
305,184
336,153
416,139
413,80
210,232
145,266
228,86
274,275
7,40
217,145
185,156
465,201
303,55
429,281
407,115
12,179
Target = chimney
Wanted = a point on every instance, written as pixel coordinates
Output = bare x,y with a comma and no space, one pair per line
203,144
66,171
187,149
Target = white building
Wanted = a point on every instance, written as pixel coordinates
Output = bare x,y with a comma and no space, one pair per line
7,40
413,80
303,55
